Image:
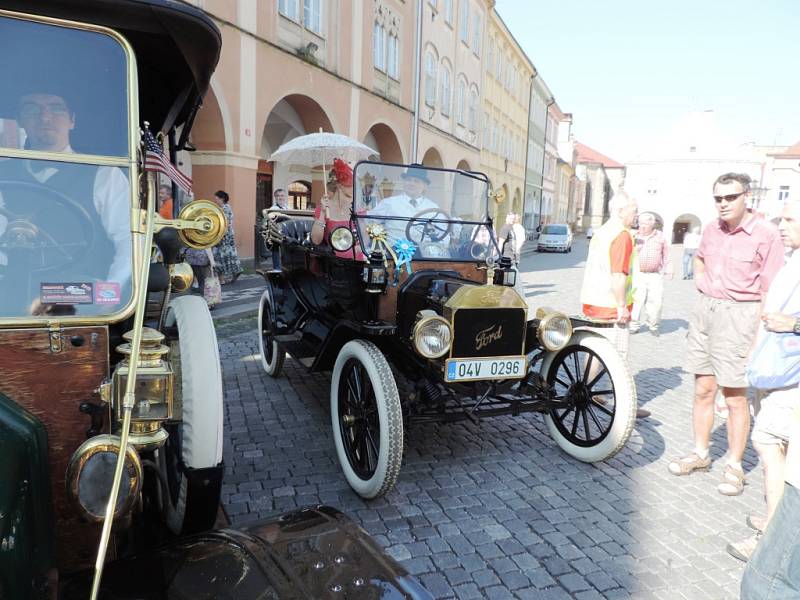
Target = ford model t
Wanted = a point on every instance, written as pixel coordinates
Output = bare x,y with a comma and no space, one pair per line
415,308
111,408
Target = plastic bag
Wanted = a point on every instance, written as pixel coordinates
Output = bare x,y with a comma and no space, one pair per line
775,363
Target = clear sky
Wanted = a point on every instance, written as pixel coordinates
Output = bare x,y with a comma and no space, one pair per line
628,69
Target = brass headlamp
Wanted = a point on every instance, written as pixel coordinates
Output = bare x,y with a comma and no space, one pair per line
153,390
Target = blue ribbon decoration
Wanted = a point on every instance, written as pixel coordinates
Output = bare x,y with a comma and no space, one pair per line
405,252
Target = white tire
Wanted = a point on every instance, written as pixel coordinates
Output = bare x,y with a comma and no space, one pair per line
370,466
600,409
272,355
195,358
200,381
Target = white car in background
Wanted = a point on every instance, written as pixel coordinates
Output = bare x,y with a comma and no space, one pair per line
556,236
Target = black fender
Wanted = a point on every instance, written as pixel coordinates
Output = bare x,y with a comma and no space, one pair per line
315,552
289,310
343,332
26,515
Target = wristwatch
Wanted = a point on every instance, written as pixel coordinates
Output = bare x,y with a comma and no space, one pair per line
797,326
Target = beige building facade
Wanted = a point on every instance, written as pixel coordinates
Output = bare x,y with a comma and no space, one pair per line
291,67
506,101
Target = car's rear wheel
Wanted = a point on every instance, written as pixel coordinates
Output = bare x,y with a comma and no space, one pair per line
593,409
367,419
195,440
272,355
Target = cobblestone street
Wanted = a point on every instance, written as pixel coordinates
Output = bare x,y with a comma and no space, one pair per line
496,510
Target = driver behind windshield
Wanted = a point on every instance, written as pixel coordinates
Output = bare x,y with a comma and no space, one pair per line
407,204
103,192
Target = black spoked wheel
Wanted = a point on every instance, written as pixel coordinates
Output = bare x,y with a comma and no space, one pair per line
272,355
358,419
584,402
367,419
592,411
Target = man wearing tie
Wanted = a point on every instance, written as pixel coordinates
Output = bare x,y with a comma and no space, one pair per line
407,204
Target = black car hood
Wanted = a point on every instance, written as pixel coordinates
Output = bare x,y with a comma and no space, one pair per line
311,553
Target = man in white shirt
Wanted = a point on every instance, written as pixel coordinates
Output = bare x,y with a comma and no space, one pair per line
278,199
691,241
777,423
407,204
48,120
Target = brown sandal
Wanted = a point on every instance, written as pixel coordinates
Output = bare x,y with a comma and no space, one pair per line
732,481
689,463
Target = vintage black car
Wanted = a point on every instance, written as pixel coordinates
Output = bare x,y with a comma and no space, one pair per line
111,404
416,309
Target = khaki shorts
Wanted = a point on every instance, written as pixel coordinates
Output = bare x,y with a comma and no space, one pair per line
721,333
774,418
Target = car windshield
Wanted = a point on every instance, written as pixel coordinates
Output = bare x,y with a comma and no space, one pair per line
437,213
65,230
555,230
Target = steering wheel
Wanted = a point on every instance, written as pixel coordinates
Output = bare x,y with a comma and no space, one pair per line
436,232
68,231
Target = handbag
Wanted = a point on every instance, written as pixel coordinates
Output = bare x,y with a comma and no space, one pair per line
212,290
775,362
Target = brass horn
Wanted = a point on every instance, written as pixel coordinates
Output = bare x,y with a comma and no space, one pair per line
210,224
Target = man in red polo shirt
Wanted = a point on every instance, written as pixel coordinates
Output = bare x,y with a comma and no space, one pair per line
738,257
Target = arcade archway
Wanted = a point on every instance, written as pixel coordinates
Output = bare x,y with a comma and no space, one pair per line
682,224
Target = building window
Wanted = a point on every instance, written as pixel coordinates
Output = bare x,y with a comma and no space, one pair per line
498,73
783,193
393,57
487,135
378,46
290,9
312,15
462,101
446,91
490,56
464,21
430,79
473,111
448,11
476,34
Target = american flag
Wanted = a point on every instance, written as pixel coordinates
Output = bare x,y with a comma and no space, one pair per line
154,160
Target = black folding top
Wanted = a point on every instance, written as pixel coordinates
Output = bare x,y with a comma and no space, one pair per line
177,48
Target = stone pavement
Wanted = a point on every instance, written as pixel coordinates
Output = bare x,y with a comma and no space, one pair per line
496,510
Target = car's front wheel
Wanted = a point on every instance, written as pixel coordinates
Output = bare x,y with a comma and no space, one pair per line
272,355
195,441
593,408
367,419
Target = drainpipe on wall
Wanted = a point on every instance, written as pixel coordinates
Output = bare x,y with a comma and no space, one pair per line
417,74
528,143
546,123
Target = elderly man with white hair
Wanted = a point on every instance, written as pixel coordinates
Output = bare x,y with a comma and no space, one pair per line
652,249
606,294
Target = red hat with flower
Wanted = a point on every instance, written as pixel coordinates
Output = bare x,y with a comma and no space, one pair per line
341,173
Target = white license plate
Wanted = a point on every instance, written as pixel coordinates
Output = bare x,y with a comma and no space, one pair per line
472,369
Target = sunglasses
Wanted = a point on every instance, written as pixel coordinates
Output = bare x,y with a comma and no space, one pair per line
728,198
